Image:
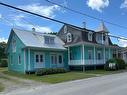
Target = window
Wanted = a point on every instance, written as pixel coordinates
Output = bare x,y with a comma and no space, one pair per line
99,55
14,46
39,58
49,40
19,59
89,54
65,29
69,37
60,59
90,35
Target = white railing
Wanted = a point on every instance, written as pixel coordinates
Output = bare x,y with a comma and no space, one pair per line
86,62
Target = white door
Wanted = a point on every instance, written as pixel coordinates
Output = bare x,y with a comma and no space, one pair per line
39,60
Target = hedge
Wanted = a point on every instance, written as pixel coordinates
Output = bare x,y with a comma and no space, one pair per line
3,63
47,71
115,64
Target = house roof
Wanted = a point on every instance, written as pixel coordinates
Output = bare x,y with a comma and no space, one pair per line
101,28
36,39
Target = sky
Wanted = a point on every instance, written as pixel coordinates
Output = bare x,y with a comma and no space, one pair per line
114,11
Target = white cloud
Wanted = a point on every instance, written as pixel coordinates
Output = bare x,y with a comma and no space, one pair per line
3,39
124,4
20,21
98,4
0,16
122,42
42,10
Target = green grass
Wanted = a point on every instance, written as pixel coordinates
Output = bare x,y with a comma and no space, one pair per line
54,78
1,87
57,78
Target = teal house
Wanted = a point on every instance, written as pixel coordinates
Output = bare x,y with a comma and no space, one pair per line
72,47
88,48
30,50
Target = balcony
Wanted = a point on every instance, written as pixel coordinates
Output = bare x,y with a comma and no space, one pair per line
86,62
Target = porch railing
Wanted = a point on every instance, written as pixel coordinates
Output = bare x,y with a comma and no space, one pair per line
87,62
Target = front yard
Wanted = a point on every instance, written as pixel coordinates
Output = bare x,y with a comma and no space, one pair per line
1,87
57,78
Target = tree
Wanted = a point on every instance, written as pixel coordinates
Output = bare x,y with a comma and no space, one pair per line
2,50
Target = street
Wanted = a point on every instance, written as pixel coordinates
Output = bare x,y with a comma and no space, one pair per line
115,84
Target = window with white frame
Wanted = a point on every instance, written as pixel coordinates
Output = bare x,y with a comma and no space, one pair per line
60,59
69,37
90,36
14,46
19,59
49,40
89,54
99,55
39,58
65,29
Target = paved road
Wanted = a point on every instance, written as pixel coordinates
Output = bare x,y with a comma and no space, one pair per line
106,85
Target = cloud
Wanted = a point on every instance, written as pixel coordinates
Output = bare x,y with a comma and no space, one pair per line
21,22
42,10
122,42
3,39
97,4
124,4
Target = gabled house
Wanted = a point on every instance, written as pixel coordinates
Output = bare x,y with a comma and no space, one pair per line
72,47
87,48
30,50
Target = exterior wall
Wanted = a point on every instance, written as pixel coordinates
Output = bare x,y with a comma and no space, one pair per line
47,60
13,56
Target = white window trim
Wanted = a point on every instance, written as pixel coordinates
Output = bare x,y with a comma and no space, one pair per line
100,54
39,53
19,61
90,38
13,48
65,29
69,39
58,58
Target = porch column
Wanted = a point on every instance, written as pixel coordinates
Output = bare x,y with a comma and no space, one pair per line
24,61
83,57
68,55
104,54
28,59
109,52
94,56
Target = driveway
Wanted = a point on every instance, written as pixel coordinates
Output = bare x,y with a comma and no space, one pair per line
115,84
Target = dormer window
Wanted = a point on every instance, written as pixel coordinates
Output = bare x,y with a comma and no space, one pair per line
90,36
65,29
49,40
69,37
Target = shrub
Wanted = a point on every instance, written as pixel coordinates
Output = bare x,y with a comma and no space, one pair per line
47,71
3,63
115,64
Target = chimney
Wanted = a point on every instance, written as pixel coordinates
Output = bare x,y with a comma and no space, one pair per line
84,24
33,29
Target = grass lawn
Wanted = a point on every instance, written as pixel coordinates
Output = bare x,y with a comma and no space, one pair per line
1,87
57,78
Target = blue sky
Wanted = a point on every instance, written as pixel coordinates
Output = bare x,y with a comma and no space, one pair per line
114,11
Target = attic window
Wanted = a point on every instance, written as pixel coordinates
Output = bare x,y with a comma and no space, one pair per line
69,37
65,29
14,46
90,36
49,40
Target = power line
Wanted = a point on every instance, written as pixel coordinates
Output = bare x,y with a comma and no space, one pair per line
78,12
10,6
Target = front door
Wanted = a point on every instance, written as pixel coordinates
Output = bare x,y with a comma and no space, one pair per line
39,60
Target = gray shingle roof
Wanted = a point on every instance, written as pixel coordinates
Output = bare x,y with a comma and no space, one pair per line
36,39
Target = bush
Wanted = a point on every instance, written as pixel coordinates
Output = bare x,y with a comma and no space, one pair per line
47,71
115,64
3,63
